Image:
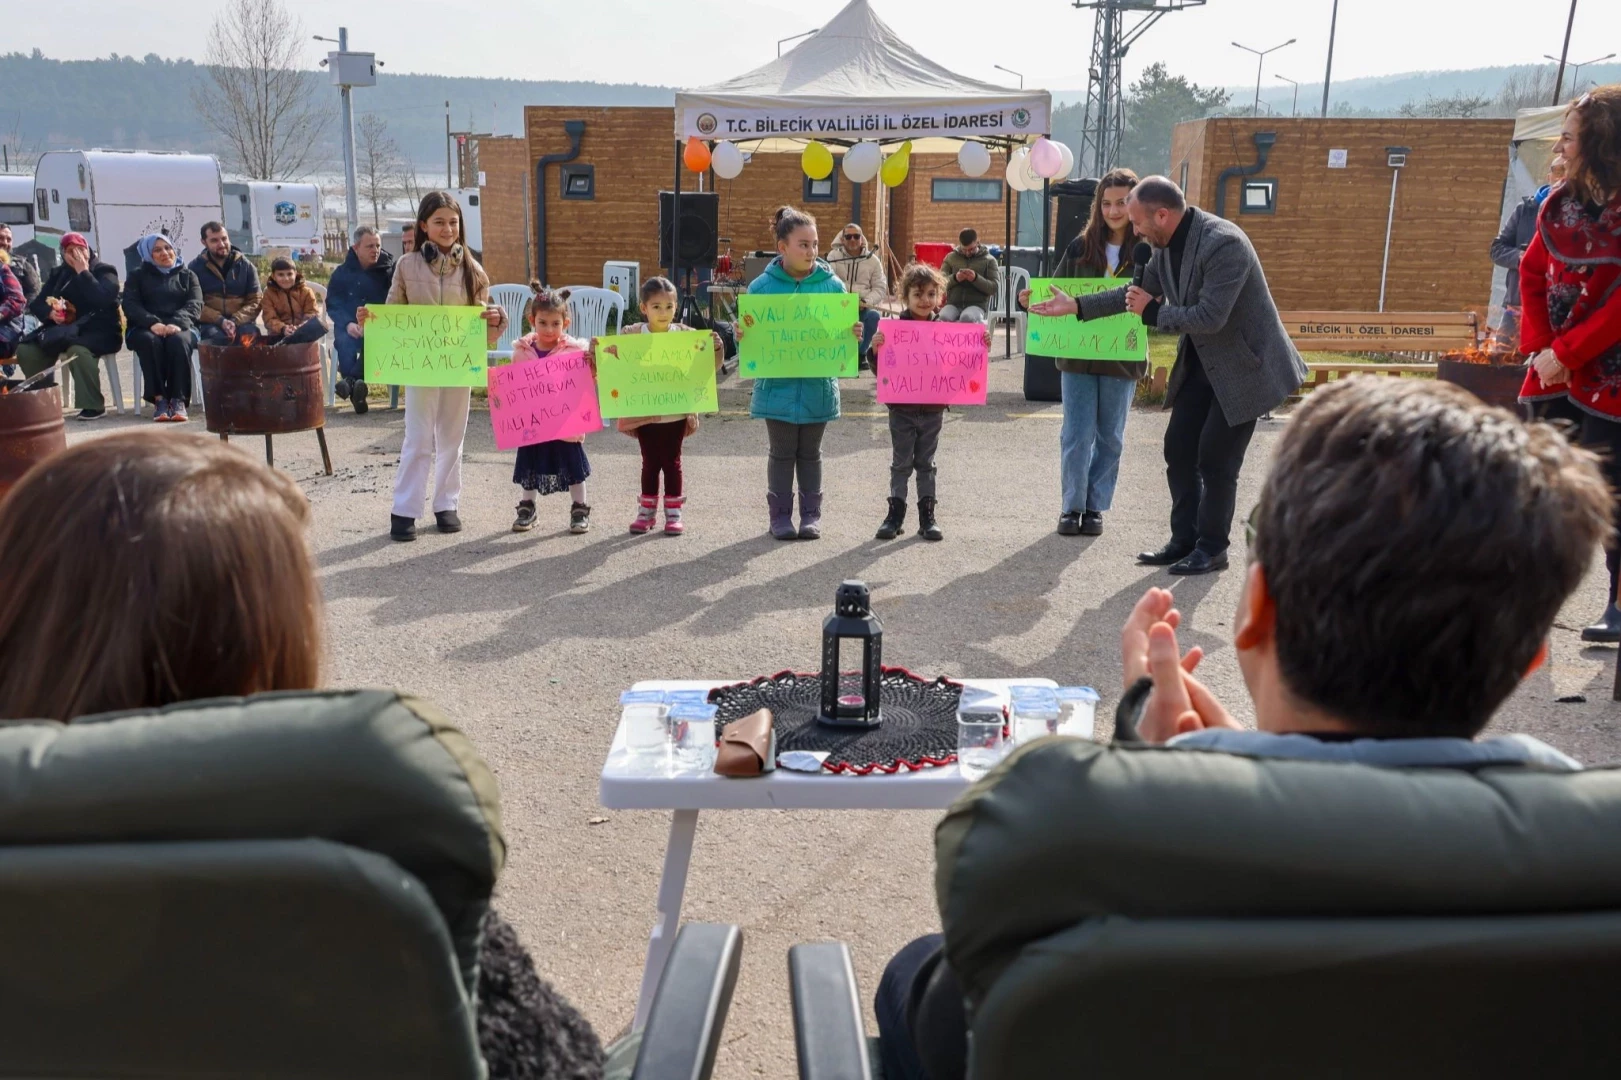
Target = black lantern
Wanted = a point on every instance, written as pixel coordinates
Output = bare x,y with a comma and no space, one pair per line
852,620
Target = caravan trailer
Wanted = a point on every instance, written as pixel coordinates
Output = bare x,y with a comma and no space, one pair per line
115,197
261,214
17,207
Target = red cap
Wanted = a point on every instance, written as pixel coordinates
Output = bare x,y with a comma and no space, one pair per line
74,239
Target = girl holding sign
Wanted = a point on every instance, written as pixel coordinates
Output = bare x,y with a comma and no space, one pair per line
1097,393
796,411
555,465
661,437
439,271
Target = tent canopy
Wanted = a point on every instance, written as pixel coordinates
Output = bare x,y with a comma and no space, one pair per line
856,79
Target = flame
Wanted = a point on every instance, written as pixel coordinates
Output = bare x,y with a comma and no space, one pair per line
1497,349
248,338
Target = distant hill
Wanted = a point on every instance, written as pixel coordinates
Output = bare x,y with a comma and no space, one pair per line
146,104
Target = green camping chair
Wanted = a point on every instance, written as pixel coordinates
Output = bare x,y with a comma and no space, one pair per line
290,885
1142,911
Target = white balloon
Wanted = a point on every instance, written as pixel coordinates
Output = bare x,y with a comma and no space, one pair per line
1069,162
727,160
973,159
1027,172
862,162
1016,175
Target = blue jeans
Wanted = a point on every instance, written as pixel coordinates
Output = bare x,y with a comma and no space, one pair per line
1095,409
350,365
869,327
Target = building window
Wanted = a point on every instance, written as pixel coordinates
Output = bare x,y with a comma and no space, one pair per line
944,190
823,190
79,215
1259,197
43,204
579,182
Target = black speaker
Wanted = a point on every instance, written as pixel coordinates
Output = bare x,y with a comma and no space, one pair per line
1074,199
700,215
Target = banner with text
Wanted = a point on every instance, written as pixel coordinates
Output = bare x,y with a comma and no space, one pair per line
798,336
543,398
425,345
1013,115
932,363
1119,337
669,374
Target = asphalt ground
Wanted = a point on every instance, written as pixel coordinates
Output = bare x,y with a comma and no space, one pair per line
527,639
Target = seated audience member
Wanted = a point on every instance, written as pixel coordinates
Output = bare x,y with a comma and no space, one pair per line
1368,630
208,590
291,313
230,289
27,277
862,271
162,303
78,313
13,306
971,275
363,279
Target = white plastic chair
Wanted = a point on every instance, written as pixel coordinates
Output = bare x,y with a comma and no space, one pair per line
588,310
1013,280
110,362
514,300
329,352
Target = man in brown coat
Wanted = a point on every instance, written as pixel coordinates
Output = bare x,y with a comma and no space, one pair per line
230,289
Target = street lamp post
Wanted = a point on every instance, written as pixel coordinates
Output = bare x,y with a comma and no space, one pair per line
348,76
1294,110
1559,79
1328,72
1010,71
1576,71
1260,62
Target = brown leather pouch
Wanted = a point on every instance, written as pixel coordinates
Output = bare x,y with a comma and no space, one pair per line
748,747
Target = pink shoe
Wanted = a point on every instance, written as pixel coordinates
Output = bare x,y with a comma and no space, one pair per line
672,514
646,510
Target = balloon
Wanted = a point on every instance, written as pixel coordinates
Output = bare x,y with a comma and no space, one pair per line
727,160
695,155
1045,160
1027,174
898,166
1068,168
862,162
817,161
973,159
1016,175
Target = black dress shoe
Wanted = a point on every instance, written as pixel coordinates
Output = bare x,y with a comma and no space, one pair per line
448,521
1200,563
1069,523
1092,523
1607,630
401,528
1165,556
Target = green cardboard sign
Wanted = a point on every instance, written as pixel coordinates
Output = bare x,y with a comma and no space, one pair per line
426,345
1118,337
798,336
669,374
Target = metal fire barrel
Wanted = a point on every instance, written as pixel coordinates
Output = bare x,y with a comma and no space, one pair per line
1495,384
30,431
272,390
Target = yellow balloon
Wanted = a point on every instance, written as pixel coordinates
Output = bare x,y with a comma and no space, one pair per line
897,167
817,161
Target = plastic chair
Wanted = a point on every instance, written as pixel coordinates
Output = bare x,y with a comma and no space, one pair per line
110,362
588,310
514,300
329,353
1013,280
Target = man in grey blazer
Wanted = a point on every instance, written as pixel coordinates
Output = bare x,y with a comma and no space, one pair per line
1234,362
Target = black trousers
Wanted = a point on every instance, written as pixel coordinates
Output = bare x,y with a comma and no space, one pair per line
1604,436
165,363
1203,456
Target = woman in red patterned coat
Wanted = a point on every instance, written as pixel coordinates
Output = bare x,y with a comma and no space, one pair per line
1570,286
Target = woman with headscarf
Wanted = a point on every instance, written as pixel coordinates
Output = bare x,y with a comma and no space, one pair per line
162,303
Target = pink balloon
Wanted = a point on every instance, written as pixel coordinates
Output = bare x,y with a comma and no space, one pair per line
1045,159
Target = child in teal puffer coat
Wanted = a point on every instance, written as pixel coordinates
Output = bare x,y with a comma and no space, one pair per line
796,411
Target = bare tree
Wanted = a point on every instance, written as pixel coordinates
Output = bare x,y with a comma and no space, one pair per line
255,96
1529,89
377,164
18,152
410,184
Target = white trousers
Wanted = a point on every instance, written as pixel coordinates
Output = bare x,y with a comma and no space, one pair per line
435,427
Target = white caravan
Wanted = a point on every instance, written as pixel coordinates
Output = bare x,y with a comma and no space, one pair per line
17,207
262,214
115,197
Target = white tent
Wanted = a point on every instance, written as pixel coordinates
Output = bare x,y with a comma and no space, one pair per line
856,79
1530,149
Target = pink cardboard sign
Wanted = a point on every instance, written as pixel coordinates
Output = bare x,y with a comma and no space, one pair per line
542,398
932,363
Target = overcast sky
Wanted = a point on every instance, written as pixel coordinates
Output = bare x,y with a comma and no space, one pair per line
694,42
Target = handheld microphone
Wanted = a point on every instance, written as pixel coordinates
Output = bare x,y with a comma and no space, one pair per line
1139,259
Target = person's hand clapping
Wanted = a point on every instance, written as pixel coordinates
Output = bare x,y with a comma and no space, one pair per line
1137,299
1179,702
1059,305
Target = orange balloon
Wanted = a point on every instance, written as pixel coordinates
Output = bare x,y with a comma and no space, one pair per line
696,155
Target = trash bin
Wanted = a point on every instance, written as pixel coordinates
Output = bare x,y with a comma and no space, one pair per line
1041,379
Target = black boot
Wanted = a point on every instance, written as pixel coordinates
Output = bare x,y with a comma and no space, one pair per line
893,524
926,527
1607,629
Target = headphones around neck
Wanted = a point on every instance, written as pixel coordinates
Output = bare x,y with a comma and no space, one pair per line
431,252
